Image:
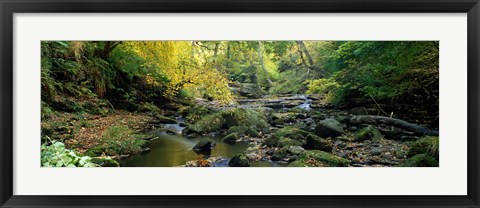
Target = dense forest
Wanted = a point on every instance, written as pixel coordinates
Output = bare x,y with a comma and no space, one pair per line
240,103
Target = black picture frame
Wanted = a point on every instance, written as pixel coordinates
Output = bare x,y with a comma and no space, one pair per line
10,7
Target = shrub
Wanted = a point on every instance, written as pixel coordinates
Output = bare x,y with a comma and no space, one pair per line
120,140
56,155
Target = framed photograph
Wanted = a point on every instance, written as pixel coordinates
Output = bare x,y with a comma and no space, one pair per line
268,103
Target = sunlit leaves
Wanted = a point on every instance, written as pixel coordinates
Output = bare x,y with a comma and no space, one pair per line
185,65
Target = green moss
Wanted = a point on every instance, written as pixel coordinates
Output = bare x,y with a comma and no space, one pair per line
323,158
280,154
226,119
231,138
368,133
239,160
292,133
297,163
272,141
147,107
243,131
428,145
420,160
95,151
289,136
287,142
314,142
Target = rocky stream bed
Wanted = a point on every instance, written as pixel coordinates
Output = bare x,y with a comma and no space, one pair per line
292,130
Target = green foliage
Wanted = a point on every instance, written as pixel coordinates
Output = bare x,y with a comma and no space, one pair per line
428,145
320,86
120,140
56,155
290,82
420,160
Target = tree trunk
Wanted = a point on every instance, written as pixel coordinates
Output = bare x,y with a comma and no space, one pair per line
260,54
305,50
107,48
393,122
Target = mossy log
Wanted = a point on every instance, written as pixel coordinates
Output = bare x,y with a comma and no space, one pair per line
367,119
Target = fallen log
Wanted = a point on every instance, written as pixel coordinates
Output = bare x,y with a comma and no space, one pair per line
368,119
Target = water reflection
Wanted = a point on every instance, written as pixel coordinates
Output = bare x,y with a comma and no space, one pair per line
174,150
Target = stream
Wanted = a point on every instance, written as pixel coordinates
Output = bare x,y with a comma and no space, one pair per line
176,150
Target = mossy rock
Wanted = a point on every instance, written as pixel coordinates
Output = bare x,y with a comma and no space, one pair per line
204,147
295,150
323,158
243,131
289,136
420,160
368,133
239,160
314,142
292,133
272,141
280,154
231,138
226,119
329,128
428,145
287,142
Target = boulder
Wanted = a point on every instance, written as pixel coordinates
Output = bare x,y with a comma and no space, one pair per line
376,151
288,136
226,119
358,111
317,143
204,147
368,133
295,150
329,128
287,142
239,160
231,138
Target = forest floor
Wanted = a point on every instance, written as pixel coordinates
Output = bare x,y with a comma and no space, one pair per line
83,131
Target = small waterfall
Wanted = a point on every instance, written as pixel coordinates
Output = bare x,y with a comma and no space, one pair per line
305,105
176,127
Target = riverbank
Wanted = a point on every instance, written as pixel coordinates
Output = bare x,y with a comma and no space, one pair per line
116,134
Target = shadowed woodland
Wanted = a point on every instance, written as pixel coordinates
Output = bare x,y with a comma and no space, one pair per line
240,103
